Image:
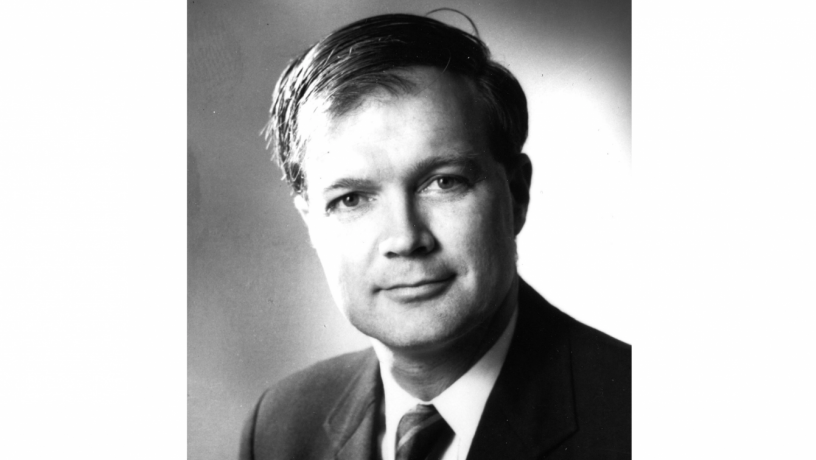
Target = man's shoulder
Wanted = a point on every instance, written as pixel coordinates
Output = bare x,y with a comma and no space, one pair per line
596,357
289,418
317,384
586,343
598,369
595,345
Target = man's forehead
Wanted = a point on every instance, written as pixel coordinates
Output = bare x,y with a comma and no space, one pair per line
321,112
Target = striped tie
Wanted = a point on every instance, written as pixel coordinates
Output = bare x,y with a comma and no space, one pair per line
422,434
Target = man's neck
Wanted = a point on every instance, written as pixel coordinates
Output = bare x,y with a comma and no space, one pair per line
426,374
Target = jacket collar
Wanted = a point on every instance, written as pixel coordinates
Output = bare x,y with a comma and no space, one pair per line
531,409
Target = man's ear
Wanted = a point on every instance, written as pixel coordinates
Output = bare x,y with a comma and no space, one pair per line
302,205
519,176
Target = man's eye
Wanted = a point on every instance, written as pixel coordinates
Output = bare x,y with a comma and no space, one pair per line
446,182
351,200
348,201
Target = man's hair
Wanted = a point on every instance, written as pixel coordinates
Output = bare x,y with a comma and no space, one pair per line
373,53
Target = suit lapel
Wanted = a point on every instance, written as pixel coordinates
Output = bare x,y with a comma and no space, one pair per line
531,409
351,425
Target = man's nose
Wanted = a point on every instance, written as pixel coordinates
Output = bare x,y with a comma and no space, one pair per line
406,232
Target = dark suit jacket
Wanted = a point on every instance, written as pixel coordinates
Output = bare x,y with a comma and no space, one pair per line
564,393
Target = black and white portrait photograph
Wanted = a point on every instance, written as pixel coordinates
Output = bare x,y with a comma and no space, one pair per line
406,220
430,230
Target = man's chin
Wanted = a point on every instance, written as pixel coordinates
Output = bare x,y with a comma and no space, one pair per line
412,349
416,338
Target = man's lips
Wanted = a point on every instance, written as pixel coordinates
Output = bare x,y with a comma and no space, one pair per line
415,290
413,284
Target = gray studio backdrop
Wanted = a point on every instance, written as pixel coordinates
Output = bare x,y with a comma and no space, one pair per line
258,307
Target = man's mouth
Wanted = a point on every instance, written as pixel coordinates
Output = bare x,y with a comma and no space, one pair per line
418,290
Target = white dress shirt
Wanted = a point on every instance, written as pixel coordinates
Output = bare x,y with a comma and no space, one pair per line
461,404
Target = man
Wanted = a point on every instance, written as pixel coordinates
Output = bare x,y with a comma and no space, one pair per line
402,142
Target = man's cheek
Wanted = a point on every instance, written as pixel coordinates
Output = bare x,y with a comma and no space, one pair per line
341,257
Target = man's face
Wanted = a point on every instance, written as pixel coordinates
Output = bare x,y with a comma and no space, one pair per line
412,218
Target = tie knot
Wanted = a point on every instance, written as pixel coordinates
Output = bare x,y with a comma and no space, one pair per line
422,434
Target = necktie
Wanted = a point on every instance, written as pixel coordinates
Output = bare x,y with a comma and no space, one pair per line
422,434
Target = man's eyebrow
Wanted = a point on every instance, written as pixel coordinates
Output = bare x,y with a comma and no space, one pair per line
349,183
466,158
